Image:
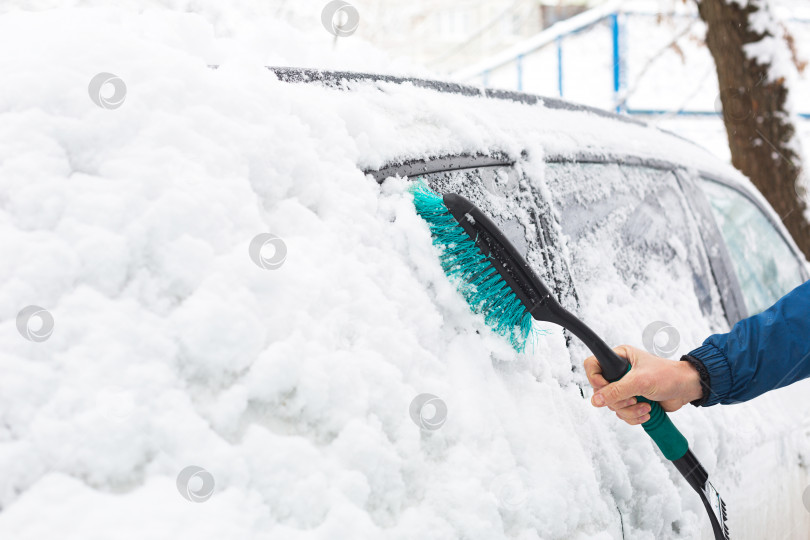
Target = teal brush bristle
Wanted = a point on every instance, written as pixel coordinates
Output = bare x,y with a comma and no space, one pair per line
476,279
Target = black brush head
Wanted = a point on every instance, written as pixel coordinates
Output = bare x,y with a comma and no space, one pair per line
527,286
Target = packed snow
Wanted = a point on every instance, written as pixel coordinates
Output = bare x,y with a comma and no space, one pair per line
197,387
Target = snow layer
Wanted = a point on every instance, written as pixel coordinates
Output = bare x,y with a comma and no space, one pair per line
291,387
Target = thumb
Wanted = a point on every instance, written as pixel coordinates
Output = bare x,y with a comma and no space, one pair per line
620,390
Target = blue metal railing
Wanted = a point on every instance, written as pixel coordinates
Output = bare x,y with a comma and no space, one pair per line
519,65
617,60
619,45
559,66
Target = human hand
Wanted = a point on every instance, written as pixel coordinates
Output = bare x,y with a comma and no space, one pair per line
672,384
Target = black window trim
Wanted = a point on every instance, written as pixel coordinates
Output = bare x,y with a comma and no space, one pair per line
442,163
414,167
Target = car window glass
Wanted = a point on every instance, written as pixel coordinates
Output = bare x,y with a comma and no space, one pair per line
765,265
636,254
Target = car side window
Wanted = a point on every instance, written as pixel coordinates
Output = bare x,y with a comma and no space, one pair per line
636,251
765,265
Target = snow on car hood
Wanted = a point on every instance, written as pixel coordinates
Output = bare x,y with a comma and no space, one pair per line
194,386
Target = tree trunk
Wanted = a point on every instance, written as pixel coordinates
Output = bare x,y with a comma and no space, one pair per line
761,135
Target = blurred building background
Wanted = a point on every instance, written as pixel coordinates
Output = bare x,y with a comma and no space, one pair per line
445,35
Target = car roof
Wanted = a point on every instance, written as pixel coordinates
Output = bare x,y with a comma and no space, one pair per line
680,152
335,78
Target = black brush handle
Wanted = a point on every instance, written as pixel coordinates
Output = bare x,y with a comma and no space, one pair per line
614,367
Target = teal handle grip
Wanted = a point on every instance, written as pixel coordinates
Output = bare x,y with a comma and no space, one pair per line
661,429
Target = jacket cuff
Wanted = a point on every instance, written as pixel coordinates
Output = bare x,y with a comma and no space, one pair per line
705,379
712,364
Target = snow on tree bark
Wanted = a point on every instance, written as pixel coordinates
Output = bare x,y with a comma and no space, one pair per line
754,65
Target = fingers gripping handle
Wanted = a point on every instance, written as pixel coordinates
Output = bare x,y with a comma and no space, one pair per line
659,427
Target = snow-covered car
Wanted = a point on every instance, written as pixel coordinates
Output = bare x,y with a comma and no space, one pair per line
244,330
642,233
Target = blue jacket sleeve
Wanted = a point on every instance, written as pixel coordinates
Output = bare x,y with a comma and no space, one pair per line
761,353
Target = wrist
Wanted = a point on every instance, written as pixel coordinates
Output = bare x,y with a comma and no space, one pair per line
690,382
